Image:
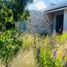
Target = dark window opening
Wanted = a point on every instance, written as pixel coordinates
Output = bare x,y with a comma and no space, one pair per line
59,24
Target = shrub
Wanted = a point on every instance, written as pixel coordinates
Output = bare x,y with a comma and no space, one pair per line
52,51
9,47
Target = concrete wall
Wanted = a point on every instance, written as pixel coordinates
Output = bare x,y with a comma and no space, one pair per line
40,22
65,20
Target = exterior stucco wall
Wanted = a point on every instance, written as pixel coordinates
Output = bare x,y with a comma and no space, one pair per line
65,20
41,23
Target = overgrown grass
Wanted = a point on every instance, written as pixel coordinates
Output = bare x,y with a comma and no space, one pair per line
47,51
51,51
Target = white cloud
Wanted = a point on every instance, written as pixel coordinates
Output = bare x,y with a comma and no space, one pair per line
35,0
40,5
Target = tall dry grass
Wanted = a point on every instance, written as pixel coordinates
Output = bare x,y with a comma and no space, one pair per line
48,51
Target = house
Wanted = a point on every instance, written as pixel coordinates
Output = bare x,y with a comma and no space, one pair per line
40,22
52,20
57,15
37,22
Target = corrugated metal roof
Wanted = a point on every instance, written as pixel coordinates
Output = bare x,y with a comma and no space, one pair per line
57,6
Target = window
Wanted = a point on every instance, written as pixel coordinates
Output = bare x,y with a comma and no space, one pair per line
23,26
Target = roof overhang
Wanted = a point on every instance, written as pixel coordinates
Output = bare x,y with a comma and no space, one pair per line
54,10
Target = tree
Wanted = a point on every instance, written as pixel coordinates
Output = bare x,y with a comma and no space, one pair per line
9,47
10,12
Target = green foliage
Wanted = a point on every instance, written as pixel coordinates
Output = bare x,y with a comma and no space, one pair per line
6,16
28,41
45,47
45,58
12,11
25,15
9,46
20,8
51,51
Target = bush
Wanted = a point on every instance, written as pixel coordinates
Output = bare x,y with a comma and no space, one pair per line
52,51
9,46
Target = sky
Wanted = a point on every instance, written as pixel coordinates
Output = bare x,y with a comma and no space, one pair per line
42,4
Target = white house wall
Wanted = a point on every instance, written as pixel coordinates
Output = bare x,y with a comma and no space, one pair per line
40,22
65,20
